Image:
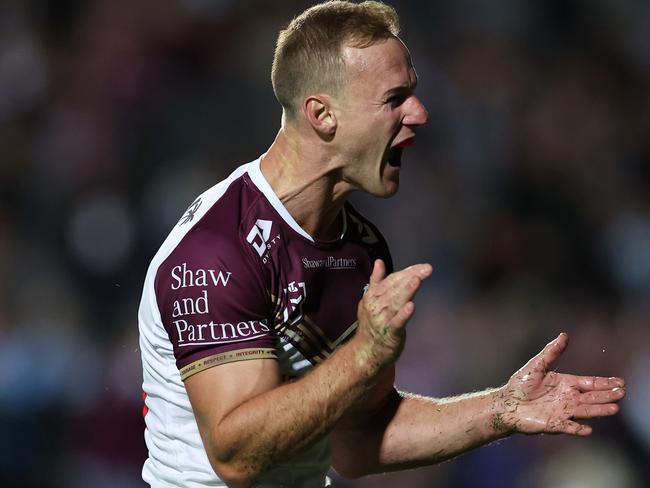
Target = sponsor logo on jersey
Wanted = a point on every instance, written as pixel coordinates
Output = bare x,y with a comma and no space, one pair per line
184,277
260,238
330,262
186,280
193,287
218,332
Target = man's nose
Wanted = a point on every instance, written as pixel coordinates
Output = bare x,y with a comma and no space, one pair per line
416,113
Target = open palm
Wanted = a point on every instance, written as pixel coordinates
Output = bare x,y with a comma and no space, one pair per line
541,401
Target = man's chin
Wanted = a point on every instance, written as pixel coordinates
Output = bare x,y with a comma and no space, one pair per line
390,180
388,188
392,190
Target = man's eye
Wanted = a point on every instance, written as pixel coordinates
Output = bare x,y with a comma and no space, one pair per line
395,100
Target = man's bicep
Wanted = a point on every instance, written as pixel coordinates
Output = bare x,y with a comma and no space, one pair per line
217,391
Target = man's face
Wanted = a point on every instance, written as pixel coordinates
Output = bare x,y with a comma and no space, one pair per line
377,114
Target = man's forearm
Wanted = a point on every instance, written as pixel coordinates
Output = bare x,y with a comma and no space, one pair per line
281,422
412,431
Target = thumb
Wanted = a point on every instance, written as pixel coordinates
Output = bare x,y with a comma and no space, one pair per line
551,352
378,272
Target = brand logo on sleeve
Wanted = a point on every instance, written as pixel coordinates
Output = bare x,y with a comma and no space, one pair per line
260,238
189,213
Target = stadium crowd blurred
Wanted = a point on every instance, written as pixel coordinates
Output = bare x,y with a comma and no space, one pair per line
529,192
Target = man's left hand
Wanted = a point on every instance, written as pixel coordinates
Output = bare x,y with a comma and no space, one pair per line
537,400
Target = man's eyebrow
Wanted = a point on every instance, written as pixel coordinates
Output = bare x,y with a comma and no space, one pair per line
400,90
405,89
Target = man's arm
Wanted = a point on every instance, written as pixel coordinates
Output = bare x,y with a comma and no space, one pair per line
410,431
249,421
404,431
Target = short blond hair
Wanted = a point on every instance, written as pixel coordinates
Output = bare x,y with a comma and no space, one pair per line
308,53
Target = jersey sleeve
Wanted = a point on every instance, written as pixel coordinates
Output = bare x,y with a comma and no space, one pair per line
213,304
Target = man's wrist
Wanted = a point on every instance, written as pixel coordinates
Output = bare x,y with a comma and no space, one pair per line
502,422
363,359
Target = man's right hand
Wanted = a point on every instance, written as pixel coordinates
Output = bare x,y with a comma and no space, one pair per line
384,311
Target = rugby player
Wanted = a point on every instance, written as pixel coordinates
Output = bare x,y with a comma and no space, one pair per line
271,318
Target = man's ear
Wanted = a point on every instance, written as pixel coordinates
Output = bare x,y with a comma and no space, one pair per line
319,113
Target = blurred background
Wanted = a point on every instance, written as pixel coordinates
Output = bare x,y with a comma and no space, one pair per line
529,192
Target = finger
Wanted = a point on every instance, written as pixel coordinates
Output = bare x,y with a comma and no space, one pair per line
584,383
602,396
420,271
570,427
551,352
378,272
591,383
591,411
403,315
399,288
423,270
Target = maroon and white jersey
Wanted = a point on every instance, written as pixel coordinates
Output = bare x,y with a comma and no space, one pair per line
238,279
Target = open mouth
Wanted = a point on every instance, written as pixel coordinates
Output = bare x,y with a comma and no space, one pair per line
395,152
395,156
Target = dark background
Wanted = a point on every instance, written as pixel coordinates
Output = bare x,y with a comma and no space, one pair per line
528,191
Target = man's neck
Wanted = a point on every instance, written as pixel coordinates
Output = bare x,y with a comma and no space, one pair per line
308,183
